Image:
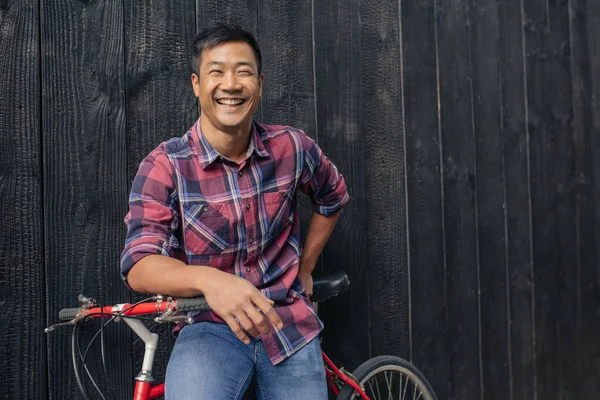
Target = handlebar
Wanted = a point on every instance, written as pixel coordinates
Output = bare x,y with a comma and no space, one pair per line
67,314
159,305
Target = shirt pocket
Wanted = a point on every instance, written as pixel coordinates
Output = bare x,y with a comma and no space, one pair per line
280,213
206,228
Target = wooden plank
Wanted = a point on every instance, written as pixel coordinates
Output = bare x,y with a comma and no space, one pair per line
340,134
160,102
491,234
589,213
22,303
424,193
286,45
158,65
551,150
584,363
515,142
85,188
240,12
385,189
459,194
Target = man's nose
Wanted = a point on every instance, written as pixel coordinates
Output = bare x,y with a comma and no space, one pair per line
230,82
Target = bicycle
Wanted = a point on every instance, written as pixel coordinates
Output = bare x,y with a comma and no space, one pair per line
364,383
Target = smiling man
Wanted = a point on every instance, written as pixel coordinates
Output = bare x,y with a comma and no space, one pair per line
214,213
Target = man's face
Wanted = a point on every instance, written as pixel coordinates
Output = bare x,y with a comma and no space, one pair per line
228,86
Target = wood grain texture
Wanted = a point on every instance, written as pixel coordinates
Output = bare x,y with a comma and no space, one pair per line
515,142
85,188
158,65
459,196
240,12
285,38
383,127
491,229
22,286
550,117
341,136
585,42
424,193
160,103
582,353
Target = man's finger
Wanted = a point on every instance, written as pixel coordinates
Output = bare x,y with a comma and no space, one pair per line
267,308
237,329
245,322
258,319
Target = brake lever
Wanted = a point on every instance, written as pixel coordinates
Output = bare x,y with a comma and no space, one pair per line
170,316
61,325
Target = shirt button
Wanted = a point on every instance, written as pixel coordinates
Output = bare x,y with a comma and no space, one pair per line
284,195
251,241
247,206
240,173
247,269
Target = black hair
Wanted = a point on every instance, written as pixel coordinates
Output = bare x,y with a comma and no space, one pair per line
223,33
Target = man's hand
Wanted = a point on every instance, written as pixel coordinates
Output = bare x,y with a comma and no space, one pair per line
307,281
240,304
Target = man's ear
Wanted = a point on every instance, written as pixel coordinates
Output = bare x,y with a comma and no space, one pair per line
261,80
195,84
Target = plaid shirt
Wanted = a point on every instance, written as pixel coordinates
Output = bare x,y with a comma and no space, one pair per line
190,203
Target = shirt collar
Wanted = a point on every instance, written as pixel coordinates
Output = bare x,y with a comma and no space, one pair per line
207,154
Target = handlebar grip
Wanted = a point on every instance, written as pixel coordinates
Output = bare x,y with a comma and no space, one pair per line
192,304
67,314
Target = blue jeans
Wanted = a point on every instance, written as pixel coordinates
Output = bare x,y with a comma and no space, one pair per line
209,362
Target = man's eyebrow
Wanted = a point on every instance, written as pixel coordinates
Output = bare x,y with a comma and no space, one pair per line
245,63
214,63
238,64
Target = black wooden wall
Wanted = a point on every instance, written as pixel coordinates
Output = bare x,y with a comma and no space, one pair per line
468,131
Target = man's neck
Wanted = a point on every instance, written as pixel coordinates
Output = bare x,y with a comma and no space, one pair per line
233,145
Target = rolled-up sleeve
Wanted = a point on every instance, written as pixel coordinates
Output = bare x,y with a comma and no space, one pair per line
152,219
321,181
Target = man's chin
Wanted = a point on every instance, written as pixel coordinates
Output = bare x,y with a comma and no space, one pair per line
229,126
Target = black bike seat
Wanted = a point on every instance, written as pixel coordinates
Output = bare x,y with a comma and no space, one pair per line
329,286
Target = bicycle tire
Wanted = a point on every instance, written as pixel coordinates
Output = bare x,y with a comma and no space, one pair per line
377,367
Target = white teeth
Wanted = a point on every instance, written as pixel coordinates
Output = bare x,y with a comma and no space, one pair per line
230,102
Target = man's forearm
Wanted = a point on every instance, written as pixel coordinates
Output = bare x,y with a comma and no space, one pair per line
168,276
319,231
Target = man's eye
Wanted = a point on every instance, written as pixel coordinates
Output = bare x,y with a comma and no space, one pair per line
245,72
215,72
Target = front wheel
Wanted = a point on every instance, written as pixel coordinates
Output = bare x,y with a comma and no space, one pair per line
386,377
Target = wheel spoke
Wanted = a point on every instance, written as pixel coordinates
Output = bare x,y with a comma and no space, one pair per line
405,387
377,386
400,386
388,383
371,387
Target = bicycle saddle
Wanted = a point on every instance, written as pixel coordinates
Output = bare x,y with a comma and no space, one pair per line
329,286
